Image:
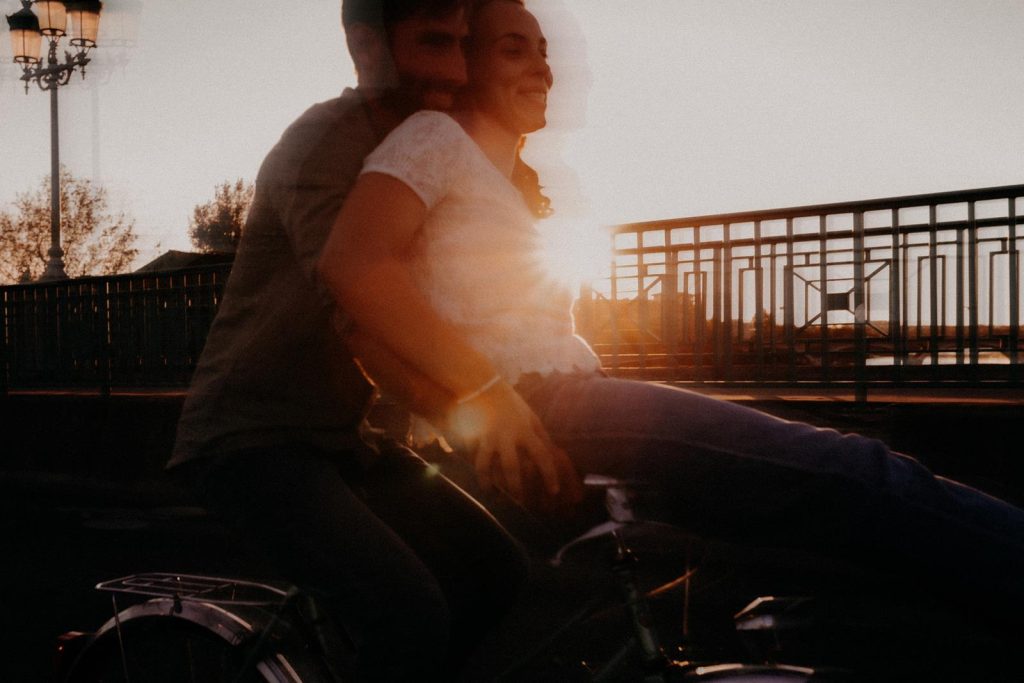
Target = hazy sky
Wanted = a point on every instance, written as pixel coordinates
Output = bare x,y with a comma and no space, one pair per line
661,108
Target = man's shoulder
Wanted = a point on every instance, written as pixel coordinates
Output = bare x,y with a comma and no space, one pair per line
348,108
326,144
344,116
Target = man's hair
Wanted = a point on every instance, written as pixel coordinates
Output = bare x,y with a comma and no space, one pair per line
475,5
385,13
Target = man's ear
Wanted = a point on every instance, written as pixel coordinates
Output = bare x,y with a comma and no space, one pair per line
368,46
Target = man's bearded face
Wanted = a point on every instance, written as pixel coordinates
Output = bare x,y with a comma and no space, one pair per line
428,64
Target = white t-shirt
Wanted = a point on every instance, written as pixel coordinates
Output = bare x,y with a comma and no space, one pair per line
477,256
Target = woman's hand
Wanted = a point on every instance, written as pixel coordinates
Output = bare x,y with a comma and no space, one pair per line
506,442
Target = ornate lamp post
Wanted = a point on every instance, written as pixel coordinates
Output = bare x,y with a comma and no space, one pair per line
27,28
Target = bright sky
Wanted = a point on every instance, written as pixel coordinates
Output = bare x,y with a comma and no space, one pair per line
661,108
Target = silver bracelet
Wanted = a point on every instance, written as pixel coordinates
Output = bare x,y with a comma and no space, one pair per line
480,391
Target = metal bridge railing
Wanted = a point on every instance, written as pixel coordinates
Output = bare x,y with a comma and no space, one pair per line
902,291
920,289
137,330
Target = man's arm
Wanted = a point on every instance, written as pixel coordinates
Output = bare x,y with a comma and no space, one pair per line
364,266
411,388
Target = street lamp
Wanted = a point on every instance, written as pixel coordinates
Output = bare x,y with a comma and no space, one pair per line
27,27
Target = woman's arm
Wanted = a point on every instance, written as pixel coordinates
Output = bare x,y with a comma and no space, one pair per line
364,265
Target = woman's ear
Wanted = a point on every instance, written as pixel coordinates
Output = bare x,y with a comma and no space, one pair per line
368,46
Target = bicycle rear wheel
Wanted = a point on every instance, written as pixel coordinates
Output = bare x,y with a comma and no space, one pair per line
198,643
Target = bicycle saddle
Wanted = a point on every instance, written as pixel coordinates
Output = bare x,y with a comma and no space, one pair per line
632,516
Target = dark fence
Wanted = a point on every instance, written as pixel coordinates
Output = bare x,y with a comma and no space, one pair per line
903,291
908,290
138,330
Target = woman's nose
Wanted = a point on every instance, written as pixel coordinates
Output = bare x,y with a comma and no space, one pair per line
542,67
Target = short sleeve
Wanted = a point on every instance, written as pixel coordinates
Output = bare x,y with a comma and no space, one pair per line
425,152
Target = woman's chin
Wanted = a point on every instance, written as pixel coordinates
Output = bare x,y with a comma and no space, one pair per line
531,124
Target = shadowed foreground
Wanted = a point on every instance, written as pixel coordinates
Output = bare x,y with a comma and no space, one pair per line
82,500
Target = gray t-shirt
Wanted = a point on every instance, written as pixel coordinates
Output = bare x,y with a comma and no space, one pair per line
274,371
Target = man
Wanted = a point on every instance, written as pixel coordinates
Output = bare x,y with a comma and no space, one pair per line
272,435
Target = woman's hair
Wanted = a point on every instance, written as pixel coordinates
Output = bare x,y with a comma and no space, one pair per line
524,177
527,181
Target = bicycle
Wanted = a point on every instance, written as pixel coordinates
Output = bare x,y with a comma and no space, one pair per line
205,628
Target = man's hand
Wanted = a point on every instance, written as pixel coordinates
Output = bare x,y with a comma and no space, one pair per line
507,442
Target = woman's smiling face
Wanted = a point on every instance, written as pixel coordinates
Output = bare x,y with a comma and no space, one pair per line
509,77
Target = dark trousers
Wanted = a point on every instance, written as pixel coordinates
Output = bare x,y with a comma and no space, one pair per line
411,568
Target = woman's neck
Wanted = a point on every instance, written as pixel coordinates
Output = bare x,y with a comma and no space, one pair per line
497,142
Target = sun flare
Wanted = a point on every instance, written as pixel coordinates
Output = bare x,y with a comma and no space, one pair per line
573,254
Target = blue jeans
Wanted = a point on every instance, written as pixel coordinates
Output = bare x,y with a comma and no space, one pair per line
734,473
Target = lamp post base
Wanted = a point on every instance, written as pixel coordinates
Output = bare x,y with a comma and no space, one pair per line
55,266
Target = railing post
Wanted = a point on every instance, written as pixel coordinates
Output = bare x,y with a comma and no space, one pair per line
4,358
726,304
897,333
960,296
859,311
1014,337
972,288
717,334
106,341
642,312
613,316
933,291
760,311
700,312
670,306
789,313
823,292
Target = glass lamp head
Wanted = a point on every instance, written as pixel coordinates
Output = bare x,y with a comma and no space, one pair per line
53,17
25,36
85,21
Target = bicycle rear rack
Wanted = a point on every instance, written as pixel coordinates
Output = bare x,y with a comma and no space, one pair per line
210,589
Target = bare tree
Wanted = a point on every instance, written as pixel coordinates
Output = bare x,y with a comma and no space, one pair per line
96,241
217,224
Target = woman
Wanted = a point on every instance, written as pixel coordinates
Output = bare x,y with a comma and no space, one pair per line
434,258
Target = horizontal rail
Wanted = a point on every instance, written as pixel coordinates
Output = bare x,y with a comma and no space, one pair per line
858,206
